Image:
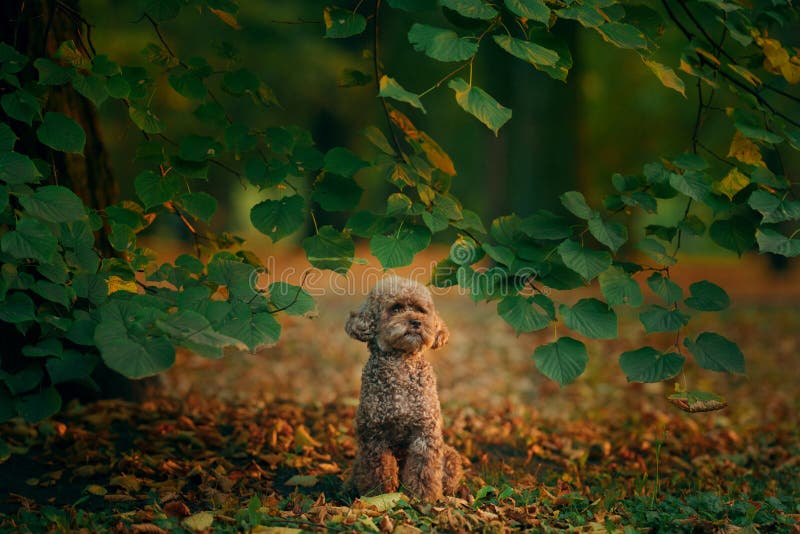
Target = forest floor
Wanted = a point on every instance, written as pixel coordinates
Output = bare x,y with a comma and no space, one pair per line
262,442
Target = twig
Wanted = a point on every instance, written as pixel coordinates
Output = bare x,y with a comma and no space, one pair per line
377,67
296,295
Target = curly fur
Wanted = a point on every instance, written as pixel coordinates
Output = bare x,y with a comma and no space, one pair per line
399,422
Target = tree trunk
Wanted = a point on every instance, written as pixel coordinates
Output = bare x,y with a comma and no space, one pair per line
36,28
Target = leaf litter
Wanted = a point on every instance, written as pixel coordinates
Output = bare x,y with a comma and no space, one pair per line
263,442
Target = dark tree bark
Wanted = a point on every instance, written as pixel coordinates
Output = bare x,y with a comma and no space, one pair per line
36,28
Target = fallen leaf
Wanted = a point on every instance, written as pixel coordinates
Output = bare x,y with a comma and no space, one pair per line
305,481
199,522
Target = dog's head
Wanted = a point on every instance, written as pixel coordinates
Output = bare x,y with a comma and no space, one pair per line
400,317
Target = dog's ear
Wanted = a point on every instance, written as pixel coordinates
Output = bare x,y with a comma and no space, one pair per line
360,325
442,334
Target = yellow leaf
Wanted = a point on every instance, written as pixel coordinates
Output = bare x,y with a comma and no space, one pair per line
405,124
94,489
199,522
436,155
227,18
733,182
303,439
115,283
261,529
129,482
745,150
384,502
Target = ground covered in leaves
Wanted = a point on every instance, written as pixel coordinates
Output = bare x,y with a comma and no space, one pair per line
262,442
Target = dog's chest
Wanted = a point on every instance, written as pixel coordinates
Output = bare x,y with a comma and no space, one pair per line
397,393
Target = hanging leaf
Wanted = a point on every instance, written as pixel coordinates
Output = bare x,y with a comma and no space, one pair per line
706,296
441,44
480,104
330,249
472,9
562,361
666,76
619,288
590,318
522,314
398,249
530,9
341,23
279,218
54,203
60,132
716,353
649,365
527,51
587,263
389,88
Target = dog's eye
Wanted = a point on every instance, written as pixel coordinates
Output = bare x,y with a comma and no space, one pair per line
396,308
420,309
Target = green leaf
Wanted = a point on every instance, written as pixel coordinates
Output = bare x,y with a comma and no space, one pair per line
154,189
389,88
550,41
192,330
31,239
619,288
658,319
522,314
590,318
329,249
145,119
587,15
666,76
707,297
611,234
770,240
441,44
16,168
399,248
622,35
228,270
343,162
54,203
90,286
72,366
531,52
294,300
188,84
669,291
131,354
17,307
57,293
24,380
252,329
21,105
774,209
543,224
530,9
736,234
587,263
279,218
353,78
336,193
7,137
92,87
367,224
59,132
47,347
51,73
340,23
480,104
379,140
562,361
198,148
656,251
649,365
576,204
200,205
39,406
716,353
472,9
412,5
691,184
499,253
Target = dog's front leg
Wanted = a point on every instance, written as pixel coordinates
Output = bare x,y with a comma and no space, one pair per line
374,470
423,470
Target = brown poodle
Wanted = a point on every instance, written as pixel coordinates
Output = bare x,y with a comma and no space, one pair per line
399,422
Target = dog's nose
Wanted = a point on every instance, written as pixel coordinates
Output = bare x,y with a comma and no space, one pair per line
415,323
